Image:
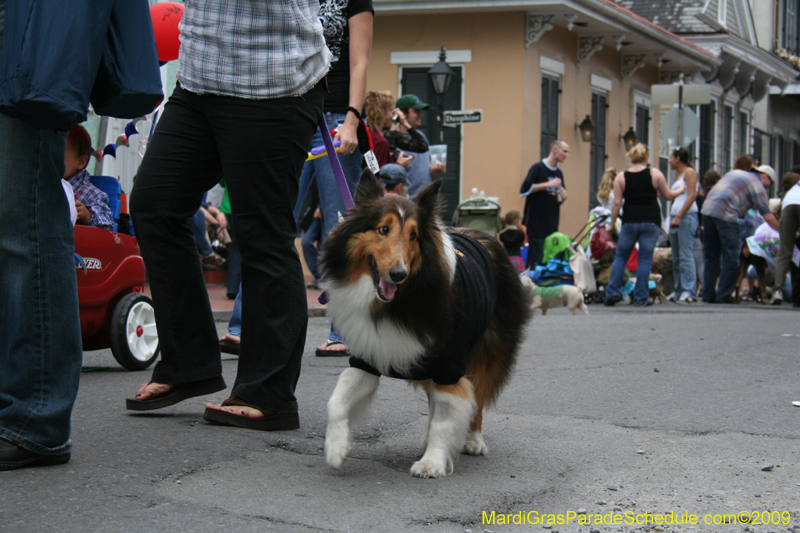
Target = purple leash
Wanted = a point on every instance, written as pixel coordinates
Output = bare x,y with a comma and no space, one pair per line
347,198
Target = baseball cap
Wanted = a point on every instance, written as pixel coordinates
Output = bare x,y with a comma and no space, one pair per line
411,100
392,174
768,170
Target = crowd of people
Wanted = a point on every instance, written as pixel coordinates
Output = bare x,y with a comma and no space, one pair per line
709,222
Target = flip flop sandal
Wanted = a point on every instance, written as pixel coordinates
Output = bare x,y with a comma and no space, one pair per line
332,353
178,393
228,346
271,421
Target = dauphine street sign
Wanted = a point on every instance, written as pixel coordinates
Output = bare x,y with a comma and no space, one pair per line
466,116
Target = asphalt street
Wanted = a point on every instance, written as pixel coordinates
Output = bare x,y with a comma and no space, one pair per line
669,409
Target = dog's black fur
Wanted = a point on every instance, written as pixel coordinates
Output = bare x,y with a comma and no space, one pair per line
760,264
425,304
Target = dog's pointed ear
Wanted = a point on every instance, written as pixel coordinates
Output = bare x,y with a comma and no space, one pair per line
369,188
428,199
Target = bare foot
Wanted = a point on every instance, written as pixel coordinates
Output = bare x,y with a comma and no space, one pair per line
148,390
241,410
235,339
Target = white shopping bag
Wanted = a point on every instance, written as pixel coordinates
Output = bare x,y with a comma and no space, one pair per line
583,272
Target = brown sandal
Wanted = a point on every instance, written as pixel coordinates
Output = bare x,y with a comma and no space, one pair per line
178,393
271,421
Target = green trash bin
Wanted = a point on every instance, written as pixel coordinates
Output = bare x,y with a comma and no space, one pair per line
479,213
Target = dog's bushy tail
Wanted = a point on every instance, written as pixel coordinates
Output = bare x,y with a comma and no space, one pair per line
492,361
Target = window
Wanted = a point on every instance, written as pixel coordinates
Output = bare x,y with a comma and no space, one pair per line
641,117
787,162
789,29
708,115
762,146
727,138
692,147
597,153
550,96
744,130
777,159
642,127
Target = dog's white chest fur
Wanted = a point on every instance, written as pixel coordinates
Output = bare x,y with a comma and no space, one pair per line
383,345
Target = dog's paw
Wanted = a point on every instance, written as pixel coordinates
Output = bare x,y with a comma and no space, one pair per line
337,449
474,444
428,468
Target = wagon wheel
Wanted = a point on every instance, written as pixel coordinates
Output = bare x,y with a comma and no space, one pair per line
134,339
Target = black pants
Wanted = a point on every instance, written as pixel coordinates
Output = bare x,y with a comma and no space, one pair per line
234,261
259,146
535,252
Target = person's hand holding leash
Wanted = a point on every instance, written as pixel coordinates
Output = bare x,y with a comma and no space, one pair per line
346,133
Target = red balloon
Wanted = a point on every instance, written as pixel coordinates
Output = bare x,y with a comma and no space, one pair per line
166,16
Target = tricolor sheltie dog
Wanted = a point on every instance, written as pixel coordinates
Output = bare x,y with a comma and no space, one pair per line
443,308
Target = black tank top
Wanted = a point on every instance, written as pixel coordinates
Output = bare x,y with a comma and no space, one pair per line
641,199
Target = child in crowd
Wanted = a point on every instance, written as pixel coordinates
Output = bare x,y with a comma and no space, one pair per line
91,203
513,238
605,192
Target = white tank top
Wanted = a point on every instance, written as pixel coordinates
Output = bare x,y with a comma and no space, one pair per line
677,203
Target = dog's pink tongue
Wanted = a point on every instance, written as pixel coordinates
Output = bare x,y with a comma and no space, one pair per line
387,288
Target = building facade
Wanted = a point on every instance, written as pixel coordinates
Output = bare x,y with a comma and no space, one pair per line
536,70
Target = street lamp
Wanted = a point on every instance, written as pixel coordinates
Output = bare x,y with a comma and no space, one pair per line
630,139
441,76
586,128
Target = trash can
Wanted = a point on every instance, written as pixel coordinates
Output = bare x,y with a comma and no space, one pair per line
479,213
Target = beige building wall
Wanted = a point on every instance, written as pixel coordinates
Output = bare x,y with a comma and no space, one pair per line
493,82
504,80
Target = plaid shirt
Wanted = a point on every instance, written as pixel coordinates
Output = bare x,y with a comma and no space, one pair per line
252,49
94,199
734,194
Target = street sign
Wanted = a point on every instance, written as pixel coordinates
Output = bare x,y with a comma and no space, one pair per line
467,116
690,126
671,94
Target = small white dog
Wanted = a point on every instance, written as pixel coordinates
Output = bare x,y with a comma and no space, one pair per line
545,298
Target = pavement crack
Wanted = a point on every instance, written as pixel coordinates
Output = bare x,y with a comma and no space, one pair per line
288,523
687,432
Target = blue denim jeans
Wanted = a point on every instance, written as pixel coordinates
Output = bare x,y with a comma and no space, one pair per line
235,323
197,223
646,234
330,198
310,251
681,239
722,258
40,332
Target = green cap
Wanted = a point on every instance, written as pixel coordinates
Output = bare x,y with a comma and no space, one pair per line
411,100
